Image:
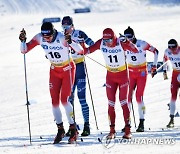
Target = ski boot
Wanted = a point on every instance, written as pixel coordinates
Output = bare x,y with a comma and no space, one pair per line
69,130
112,133
123,129
171,122
141,126
86,130
74,134
60,133
127,133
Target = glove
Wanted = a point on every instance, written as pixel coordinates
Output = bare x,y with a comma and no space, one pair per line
22,35
153,71
165,75
122,38
68,38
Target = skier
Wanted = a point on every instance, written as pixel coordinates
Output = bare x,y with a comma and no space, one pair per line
80,75
172,53
113,50
62,72
137,66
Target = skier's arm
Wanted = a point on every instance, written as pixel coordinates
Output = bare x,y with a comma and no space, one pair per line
76,47
93,47
26,47
165,59
153,50
128,45
72,44
86,39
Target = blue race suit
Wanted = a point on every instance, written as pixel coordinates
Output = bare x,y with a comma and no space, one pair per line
80,75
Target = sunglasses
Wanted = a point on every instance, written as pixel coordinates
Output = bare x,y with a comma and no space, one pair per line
172,46
107,40
66,27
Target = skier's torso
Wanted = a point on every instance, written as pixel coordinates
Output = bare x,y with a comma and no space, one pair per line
114,57
137,61
174,59
57,53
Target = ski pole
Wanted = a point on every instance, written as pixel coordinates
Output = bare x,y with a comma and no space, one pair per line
161,66
90,93
71,84
131,100
96,61
133,113
27,100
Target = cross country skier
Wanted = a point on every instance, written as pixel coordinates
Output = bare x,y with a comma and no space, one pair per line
80,75
113,50
137,66
55,45
172,53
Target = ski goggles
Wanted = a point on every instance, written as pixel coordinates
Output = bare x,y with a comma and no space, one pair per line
172,46
47,32
66,27
129,36
107,40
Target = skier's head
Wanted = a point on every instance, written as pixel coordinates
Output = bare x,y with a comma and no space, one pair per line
67,24
172,44
67,20
129,33
47,31
109,37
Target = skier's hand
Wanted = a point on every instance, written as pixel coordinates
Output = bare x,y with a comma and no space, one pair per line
22,35
68,37
122,38
165,75
153,71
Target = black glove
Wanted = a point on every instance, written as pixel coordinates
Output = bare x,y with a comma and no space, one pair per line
22,35
122,38
68,38
153,71
165,75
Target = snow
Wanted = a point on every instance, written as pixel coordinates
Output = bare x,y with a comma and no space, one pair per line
154,23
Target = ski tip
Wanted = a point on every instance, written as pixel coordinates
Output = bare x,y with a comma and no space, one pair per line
72,142
177,114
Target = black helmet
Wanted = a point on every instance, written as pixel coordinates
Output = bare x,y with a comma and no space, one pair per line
47,29
67,20
172,43
129,32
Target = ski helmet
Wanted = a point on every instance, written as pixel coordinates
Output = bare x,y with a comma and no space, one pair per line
129,32
67,20
47,29
108,34
172,43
